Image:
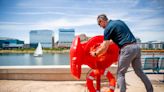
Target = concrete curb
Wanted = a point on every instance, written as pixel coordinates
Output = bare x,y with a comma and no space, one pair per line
59,73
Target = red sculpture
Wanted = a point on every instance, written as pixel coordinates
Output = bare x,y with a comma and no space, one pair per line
80,55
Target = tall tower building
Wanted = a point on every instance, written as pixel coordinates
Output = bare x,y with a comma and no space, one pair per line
42,36
65,37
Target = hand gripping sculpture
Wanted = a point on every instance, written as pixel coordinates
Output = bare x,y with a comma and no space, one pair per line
80,55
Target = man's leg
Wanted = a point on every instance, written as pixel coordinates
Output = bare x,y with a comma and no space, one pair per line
124,61
136,64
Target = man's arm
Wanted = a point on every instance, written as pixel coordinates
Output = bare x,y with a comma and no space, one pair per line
103,48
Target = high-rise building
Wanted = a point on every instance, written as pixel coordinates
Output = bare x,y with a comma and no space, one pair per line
45,37
65,37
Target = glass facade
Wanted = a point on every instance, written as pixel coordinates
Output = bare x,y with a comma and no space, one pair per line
42,36
6,43
66,35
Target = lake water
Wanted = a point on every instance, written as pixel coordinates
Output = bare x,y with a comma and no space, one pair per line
29,59
46,59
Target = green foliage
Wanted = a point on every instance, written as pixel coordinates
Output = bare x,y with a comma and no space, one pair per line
56,49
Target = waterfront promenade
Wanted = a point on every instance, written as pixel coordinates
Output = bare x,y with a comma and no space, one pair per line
134,84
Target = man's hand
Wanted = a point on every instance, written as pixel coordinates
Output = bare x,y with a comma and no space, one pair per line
102,48
93,53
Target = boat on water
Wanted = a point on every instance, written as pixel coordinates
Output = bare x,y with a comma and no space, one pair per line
38,52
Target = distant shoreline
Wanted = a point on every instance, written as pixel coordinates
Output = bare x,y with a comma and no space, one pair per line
64,51
32,51
153,51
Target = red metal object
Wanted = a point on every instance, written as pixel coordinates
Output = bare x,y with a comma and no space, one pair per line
80,55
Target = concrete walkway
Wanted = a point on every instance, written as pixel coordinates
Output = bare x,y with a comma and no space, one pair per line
134,84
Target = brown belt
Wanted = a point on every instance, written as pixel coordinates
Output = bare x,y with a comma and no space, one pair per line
126,44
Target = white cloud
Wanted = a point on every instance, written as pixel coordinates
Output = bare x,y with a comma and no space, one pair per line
150,35
53,14
63,22
149,24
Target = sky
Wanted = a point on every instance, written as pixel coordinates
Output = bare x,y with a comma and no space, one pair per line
145,18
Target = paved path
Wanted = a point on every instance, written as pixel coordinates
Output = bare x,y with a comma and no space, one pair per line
133,85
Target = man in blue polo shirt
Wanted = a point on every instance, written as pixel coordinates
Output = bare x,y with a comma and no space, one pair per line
119,32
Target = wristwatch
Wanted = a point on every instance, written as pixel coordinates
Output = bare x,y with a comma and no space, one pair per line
95,54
